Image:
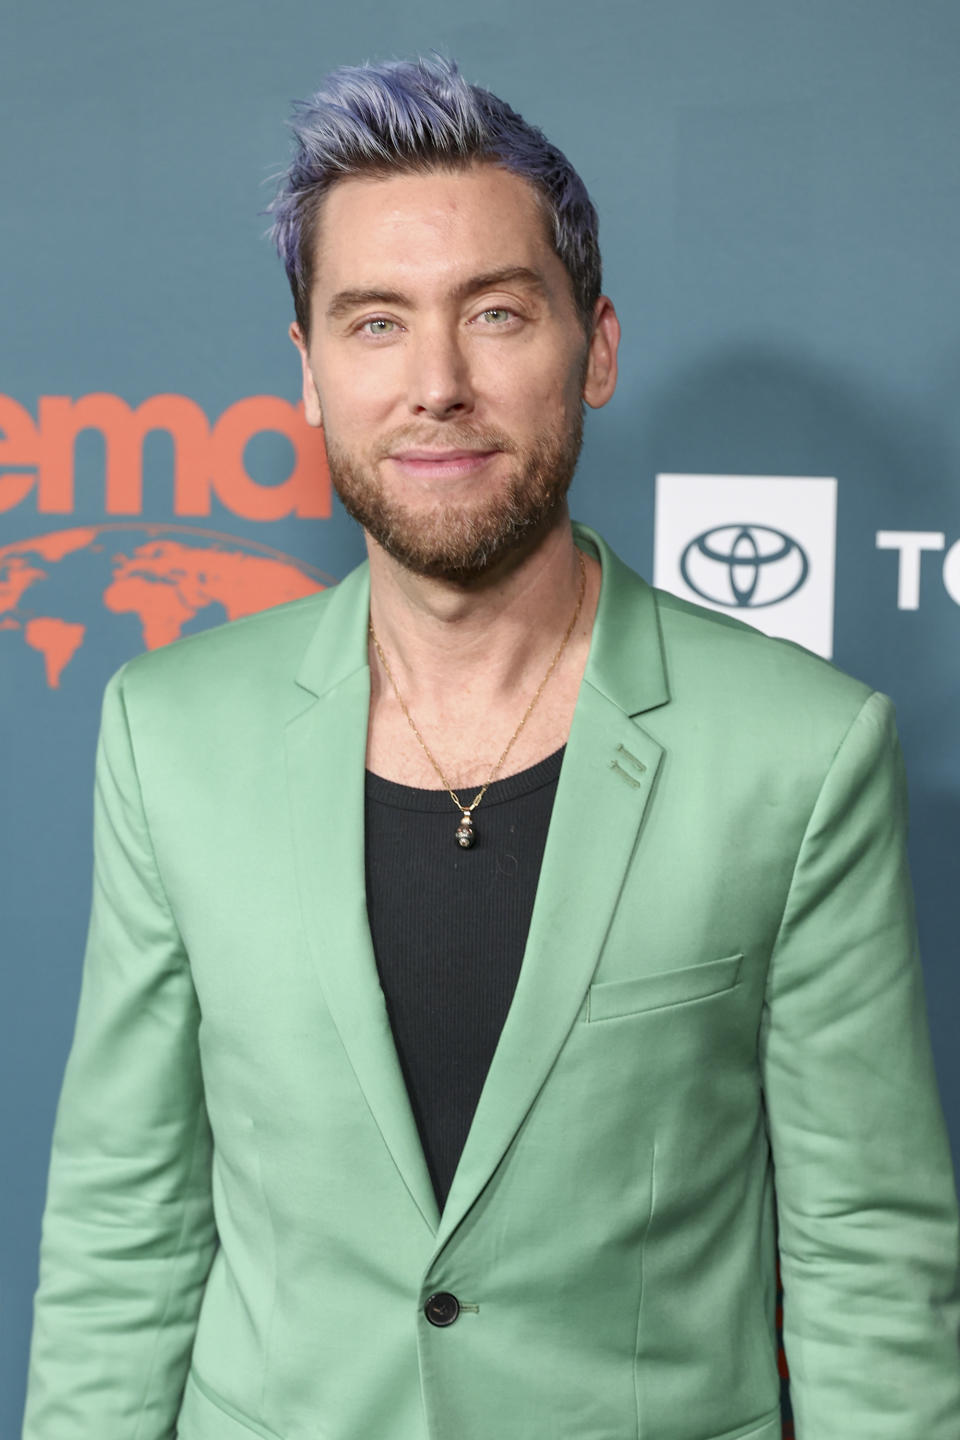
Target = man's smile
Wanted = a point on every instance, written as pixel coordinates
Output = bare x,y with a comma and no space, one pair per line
433,464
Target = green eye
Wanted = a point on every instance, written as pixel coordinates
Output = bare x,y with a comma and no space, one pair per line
378,327
496,316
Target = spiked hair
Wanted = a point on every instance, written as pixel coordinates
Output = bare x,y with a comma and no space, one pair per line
416,116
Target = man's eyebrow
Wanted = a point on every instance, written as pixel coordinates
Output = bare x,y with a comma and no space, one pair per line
508,275
346,301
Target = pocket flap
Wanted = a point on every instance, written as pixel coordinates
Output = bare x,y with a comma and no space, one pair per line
613,998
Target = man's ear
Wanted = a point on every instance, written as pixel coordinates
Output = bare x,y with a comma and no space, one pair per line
601,372
311,396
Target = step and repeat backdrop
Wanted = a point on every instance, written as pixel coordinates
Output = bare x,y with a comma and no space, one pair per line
779,195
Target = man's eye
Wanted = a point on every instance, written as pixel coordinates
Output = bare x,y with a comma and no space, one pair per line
378,327
496,315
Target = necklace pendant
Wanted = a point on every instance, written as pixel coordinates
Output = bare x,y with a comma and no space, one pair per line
465,831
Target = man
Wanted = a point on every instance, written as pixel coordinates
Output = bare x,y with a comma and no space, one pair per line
484,951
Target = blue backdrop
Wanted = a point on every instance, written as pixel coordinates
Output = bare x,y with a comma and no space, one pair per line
780,217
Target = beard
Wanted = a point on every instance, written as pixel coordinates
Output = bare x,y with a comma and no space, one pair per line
461,542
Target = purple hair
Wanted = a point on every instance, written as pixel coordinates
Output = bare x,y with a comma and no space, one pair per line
405,116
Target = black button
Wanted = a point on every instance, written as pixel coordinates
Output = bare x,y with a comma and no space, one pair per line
442,1308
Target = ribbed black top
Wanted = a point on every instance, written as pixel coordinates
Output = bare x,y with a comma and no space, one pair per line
449,928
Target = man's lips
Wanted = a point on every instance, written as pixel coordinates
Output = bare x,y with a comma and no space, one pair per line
421,461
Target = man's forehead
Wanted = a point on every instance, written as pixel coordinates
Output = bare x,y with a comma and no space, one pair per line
440,222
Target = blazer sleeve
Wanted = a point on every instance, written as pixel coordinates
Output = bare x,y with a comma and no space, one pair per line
868,1226
128,1233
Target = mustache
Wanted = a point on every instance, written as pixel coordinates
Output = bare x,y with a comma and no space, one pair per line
453,436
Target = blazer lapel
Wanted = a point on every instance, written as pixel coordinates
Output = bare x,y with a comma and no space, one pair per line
606,784
326,747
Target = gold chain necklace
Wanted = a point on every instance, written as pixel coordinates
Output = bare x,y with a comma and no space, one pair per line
466,833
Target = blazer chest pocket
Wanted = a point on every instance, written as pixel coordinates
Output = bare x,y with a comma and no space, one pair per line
614,998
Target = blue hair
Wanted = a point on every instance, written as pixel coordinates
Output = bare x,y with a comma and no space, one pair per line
415,116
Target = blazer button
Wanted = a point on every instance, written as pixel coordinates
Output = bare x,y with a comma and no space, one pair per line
442,1308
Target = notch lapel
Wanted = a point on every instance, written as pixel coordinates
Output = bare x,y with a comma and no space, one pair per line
326,748
606,785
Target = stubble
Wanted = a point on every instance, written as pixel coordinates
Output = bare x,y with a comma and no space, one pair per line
461,542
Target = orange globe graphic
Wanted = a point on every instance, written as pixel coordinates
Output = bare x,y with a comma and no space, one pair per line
169,577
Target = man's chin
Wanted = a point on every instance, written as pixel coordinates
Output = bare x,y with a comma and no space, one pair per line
472,560
455,549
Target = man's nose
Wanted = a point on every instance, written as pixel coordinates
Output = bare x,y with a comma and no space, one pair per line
439,382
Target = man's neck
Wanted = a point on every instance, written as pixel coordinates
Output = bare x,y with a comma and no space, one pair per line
468,660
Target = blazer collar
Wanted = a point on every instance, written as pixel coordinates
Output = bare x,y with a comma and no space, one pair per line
626,662
338,647
606,789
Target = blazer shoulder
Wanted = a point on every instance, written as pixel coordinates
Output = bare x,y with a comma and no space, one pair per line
251,639
255,655
731,655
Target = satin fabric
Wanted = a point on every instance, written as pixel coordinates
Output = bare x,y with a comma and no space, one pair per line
719,1025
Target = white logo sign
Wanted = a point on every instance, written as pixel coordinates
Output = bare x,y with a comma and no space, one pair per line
761,547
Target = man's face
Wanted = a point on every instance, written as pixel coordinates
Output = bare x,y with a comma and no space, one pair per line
448,365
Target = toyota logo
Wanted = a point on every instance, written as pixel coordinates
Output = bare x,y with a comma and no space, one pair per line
744,566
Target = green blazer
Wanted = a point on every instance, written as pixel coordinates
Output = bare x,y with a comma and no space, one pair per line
719,1027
